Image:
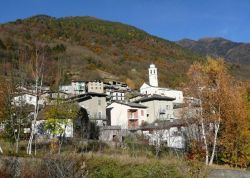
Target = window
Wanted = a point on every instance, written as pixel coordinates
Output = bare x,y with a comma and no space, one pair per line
30,98
99,115
99,102
142,113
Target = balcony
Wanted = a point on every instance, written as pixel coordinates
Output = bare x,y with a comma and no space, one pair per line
97,117
132,114
133,117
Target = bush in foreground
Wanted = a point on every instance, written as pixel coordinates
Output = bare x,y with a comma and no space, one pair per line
98,166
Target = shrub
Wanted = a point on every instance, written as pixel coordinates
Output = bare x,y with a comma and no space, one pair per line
92,145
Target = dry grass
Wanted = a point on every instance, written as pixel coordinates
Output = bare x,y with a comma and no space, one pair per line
104,162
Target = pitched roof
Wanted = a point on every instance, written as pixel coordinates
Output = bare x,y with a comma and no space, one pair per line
130,104
164,124
96,94
160,88
154,97
85,96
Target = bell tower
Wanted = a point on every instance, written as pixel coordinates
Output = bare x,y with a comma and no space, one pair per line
153,77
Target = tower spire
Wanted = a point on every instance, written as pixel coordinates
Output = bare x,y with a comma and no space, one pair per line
153,77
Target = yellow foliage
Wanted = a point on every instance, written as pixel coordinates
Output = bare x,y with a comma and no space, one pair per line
223,100
130,83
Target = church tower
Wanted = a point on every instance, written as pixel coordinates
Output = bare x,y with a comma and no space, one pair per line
152,73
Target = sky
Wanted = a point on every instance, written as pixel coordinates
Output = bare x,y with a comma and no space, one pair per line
169,19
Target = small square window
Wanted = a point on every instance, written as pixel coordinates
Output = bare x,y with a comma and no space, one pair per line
142,113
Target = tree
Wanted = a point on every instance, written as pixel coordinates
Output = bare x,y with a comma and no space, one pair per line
58,117
221,106
14,113
17,120
3,102
235,135
37,66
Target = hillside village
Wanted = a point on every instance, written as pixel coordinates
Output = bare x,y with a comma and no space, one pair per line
153,111
124,89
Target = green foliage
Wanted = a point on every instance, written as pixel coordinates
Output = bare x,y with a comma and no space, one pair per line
59,116
91,146
99,166
108,167
138,146
56,126
123,166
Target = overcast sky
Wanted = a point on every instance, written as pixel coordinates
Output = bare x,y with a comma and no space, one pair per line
169,19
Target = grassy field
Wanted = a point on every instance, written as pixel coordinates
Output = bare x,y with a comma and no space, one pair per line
96,160
98,165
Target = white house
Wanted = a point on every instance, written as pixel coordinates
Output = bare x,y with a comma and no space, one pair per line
127,115
169,133
76,87
152,87
27,99
169,137
50,95
116,95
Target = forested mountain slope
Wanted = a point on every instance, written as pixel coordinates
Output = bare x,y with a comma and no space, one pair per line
89,48
238,54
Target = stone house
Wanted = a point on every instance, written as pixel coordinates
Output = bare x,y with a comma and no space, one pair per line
158,107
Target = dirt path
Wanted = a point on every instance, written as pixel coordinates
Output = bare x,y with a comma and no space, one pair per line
227,173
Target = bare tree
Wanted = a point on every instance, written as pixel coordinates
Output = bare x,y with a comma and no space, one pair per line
14,112
37,71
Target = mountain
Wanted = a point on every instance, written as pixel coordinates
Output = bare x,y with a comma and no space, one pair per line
89,48
238,53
